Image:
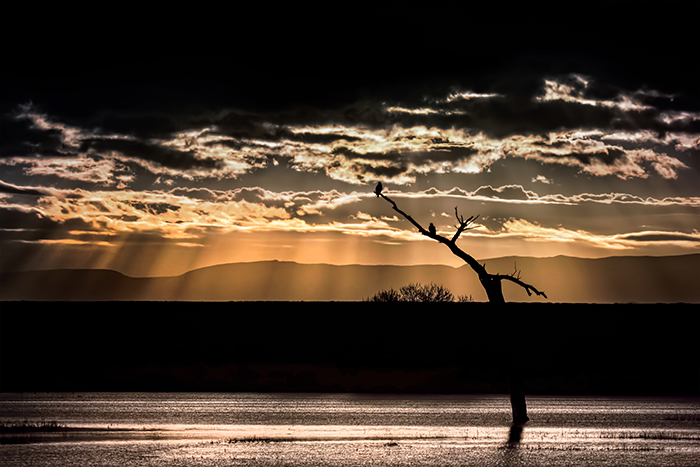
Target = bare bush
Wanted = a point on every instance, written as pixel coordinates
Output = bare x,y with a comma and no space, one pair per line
434,293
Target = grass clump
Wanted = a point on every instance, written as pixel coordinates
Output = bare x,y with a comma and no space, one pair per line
653,435
30,427
258,439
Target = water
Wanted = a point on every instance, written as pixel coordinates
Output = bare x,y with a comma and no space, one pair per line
209,429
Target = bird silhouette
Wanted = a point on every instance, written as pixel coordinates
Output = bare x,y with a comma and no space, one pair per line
431,228
378,190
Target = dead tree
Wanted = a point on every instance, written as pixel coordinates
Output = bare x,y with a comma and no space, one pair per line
490,282
492,286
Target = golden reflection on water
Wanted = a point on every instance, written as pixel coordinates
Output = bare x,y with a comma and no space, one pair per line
226,430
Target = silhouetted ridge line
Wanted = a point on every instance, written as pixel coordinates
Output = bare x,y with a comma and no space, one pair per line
642,279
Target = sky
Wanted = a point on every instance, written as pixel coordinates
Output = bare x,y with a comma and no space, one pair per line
153,138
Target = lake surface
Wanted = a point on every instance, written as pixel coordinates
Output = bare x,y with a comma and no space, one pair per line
222,429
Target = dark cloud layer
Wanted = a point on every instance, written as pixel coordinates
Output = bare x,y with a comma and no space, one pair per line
273,55
145,71
172,158
10,189
662,237
21,138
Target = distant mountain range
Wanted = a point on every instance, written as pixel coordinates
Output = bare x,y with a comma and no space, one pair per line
641,279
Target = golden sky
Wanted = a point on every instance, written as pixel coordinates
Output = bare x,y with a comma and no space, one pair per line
155,158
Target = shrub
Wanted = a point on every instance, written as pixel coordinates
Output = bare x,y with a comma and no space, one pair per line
419,293
27,426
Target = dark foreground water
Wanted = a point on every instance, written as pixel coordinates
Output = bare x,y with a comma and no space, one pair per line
212,429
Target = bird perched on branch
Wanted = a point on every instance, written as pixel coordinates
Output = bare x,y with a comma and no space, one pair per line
431,229
378,190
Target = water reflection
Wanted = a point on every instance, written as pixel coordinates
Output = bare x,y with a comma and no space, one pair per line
157,430
515,435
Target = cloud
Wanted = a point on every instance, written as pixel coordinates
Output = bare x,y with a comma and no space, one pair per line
451,105
71,241
400,154
190,214
149,152
574,121
542,179
20,137
518,194
680,141
588,152
138,126
84,169
185,213
627,241
509,192
457,132
51,148
10,189
168,214
574,88
395,155
662,237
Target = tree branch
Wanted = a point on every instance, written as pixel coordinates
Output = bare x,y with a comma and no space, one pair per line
463,224
450,244
522,284
406,216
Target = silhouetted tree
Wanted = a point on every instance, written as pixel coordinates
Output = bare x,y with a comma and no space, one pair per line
490,282
418,293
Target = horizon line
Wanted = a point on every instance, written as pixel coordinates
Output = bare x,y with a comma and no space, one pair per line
344,264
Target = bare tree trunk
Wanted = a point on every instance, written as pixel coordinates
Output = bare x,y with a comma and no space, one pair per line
517,397
515,373
493,288
492,284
